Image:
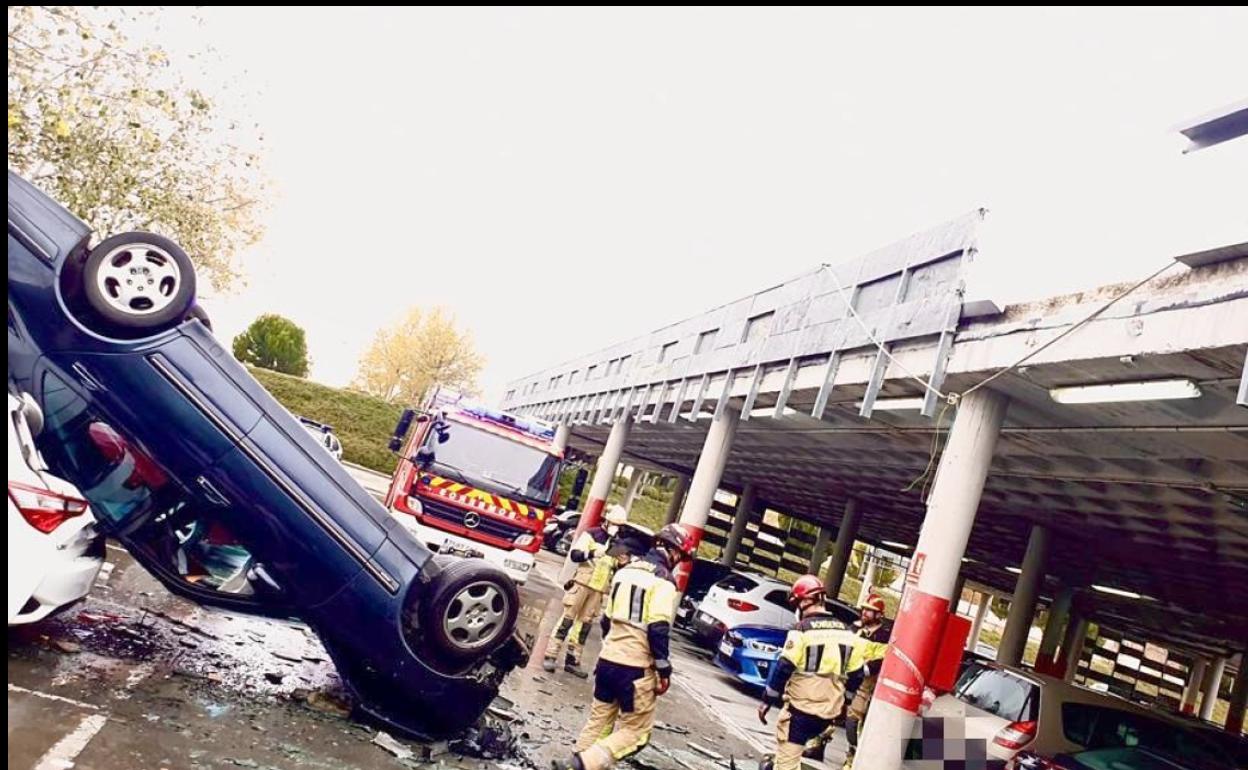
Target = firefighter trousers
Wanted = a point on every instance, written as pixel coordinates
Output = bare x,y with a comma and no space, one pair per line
621,717
794,730
581,605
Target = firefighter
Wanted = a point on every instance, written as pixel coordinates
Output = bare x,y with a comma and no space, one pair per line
583,597
870,626
820,662
633,667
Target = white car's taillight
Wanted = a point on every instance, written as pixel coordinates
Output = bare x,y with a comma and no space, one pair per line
44,509
1015,735
523,540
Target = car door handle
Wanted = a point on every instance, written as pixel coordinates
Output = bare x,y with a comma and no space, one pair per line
211,492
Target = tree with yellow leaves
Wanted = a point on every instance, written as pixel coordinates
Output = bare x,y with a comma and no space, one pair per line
103,119
424,349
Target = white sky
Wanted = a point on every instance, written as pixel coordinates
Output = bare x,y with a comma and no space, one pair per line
563,179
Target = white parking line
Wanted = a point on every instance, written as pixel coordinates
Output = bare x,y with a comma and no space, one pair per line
50,696
711,708
63,753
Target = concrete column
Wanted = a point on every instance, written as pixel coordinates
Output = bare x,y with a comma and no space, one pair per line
820,550
740,518
561,436
917,632
604,473
1239,699
1213,683
706,478
678,498
1195,678
1023,605
846,533
958,588
1072,645
868,575
1059,613
600,487
633,489
977,625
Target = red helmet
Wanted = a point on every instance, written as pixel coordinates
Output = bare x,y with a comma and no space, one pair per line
873,602
806,587
679,537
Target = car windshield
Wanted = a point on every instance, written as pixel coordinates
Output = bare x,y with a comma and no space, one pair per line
484,459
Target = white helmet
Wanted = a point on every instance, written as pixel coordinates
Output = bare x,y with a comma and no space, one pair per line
616,514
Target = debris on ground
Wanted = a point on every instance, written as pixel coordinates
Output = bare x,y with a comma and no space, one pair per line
704,751
488,739
274,677
387,742
328,704
671,728
64,645
287,656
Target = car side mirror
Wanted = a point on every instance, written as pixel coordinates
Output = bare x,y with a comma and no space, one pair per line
32,414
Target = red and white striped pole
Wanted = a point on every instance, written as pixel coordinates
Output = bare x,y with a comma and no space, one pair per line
705,481
933,574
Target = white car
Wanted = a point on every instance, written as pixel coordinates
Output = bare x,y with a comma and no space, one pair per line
742,598
54,551
1028,719
324,435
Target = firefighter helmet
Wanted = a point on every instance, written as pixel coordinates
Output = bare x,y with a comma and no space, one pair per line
806,587
616,514
678,537
873,602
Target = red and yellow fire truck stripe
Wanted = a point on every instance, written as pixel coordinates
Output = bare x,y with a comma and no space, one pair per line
469,495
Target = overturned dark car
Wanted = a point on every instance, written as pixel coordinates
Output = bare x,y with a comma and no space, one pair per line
223,495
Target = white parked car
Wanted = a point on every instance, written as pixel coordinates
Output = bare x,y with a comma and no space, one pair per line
742,598
54,551
324,435
1029,719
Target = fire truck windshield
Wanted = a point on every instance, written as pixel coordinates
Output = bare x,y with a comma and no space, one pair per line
493,463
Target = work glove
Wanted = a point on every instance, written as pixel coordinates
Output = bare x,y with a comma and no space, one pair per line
664,669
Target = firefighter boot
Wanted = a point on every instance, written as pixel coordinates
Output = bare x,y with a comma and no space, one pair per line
548,664
573,666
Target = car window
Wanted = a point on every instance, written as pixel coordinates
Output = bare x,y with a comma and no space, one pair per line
737,584
999,692
1098,727
119,479
778,598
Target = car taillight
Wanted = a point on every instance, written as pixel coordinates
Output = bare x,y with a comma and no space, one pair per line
1015,735
740,605
44,509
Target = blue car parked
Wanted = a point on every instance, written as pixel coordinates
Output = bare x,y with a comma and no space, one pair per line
750,652
219,492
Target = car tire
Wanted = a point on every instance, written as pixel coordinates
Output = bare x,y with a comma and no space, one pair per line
471,611
138,282
564,543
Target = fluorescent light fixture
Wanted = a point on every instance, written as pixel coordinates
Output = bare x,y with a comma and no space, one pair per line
1149,390
1118,592
770,411
968,560
896,404
894,544
1015,570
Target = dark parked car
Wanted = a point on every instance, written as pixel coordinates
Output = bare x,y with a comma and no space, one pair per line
558,533
223,495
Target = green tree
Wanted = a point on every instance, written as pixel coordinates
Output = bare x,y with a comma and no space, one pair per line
273,342
108,126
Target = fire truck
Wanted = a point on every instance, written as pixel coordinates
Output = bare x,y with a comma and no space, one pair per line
474,481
